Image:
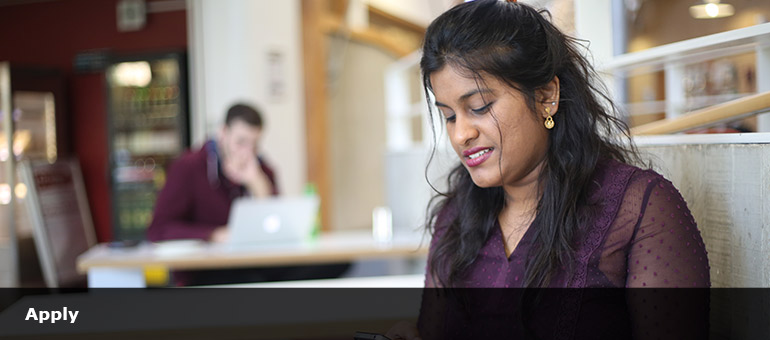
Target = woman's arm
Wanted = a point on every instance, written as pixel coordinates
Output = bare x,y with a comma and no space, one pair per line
667,252
666,249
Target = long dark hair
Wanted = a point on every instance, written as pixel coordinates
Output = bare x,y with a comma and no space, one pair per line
517,45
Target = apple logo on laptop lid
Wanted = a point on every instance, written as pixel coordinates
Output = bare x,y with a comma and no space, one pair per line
272,224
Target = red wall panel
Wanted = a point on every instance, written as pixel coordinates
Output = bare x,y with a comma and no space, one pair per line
51,33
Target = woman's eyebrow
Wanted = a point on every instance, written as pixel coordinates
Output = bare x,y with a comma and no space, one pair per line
474,92
467,95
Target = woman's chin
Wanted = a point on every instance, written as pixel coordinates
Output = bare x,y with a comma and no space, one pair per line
485,182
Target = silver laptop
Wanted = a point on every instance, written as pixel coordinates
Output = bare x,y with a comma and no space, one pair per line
272,221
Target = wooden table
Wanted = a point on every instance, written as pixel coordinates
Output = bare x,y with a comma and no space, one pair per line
108,267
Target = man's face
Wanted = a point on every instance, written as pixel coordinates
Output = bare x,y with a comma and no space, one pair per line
239,140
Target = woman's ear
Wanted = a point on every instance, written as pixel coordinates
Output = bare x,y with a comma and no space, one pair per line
548,98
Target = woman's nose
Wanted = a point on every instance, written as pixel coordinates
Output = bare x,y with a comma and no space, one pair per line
465,130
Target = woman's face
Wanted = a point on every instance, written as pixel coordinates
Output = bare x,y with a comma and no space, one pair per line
476,112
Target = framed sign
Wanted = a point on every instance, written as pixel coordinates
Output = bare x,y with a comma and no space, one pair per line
61,220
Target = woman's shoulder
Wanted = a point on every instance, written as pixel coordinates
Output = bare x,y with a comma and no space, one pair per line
615,173
630,186
623,185
645,179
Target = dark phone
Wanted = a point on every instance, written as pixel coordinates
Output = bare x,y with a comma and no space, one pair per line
123,244
369,336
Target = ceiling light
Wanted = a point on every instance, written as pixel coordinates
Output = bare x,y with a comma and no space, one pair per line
711,9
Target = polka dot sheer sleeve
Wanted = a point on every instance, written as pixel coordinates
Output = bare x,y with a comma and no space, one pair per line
666,248
666,251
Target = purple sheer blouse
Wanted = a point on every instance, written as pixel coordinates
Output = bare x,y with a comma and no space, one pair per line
641,235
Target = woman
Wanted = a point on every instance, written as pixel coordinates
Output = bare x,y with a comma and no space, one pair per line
544,195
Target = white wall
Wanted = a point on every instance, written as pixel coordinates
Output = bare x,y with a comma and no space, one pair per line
593,22
357,133
418,12
230,41
726,183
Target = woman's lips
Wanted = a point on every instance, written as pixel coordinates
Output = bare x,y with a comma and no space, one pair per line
475,156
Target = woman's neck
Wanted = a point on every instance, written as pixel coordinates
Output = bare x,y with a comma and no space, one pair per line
522,197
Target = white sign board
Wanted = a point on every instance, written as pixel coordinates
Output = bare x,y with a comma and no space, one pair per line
60,216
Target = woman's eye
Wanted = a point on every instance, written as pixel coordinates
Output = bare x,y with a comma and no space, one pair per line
482,109
448,115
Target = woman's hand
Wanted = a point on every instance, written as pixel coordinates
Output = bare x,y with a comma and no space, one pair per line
403,330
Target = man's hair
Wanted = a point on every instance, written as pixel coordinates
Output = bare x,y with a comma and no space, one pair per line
245,113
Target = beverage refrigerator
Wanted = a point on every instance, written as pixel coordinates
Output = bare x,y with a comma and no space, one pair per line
148,128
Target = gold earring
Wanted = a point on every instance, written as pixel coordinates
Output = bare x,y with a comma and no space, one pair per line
548,120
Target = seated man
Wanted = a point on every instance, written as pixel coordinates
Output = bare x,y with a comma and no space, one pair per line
200,188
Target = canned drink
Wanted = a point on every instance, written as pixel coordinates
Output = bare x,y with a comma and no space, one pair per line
382,224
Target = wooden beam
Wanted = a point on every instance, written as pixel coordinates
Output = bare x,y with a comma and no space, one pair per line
338,8
316,103
321,18
727,111
377,15
381,40
370,36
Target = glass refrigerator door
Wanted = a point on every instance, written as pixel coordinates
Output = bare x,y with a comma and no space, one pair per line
27,131
147,130
34,138
8,241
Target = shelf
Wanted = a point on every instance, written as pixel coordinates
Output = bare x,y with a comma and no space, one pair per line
699,139
736,42
674,60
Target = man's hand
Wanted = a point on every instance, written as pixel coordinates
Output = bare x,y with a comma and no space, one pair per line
259,186
240,167
220,235
244,169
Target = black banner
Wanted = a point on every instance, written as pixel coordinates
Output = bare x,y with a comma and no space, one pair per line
336,313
